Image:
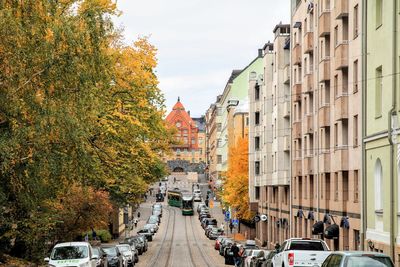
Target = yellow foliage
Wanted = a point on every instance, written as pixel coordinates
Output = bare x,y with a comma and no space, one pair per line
236,184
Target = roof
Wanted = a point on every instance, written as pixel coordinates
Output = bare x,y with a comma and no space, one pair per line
359,253
200,123
69,244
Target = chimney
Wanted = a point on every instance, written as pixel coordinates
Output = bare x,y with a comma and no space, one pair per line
260,53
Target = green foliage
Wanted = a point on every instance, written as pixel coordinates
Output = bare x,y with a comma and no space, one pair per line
103,235
76,108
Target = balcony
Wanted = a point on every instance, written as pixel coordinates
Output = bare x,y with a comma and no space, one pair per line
308,124
308,83
341,159
325,162
341,107
286,74
286,109
342,55
325,69
324,27
296,130
297,54
286,143
324,116
308,42
341,8
308,165
297,170
296,92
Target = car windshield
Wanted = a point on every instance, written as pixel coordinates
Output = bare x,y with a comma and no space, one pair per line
369,261
96,251
123,248
255,252
307,245
69,252
248,252
110,251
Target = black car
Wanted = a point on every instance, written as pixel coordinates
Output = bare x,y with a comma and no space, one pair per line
114,256
143,239
101,255
147,233
159,197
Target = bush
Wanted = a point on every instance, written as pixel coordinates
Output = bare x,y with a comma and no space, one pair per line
103,235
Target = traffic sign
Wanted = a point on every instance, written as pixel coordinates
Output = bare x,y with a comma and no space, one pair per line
235,221
227,216
257,218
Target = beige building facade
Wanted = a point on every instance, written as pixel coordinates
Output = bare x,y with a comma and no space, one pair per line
270,140
326,121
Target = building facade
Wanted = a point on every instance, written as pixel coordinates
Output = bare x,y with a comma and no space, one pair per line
213,129
269,145
381,105
326,121
190,140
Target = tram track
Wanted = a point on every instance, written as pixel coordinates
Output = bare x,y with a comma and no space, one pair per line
199,247
157,255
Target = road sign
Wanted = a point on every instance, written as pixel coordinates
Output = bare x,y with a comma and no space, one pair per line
257,218
227,216
235,221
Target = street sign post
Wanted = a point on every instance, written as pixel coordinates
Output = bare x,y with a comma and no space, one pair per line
227,216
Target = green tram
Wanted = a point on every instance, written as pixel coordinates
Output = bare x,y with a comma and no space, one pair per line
187,205
175,198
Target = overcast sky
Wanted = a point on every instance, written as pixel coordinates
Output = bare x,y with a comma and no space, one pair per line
200,42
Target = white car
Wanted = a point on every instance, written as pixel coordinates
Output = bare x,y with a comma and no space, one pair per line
196,195
72,254
249,255
126,251
301,252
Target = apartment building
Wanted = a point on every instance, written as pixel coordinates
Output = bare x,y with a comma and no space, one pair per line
381,105
326,121
269,92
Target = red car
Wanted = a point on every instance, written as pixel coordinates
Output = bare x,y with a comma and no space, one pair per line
218,242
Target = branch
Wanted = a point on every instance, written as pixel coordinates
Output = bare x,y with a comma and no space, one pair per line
30,79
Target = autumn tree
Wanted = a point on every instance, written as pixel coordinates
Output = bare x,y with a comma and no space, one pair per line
236,180
79,112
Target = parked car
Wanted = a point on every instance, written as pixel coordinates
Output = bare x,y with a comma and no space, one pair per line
144,241
197,195
250,253
224,243
209,221
157,206
218,242
200,206
153,219
159,197
147,233
102,256
228,254
114,256
208,229
215,233
268,260
357,259
250,244
152,226
134,249
78,253
127,252
301,251
137,243
258,259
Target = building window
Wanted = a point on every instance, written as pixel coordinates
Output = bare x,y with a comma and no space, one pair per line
178,152
379,13
336,134
378,92
345,133
257,118
219,127
355,186
219,159
355,76
257,168
257,92
378,185
193,141
257,192
355,22
219,111
257,143
219,142
355,130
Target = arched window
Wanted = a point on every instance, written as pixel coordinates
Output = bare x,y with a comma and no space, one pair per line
378,185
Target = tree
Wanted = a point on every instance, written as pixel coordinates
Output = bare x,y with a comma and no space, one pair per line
236,182
78,111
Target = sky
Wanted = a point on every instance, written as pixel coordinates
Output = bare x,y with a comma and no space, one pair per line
200,42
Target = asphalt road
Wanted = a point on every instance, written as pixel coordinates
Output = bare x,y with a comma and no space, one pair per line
180,241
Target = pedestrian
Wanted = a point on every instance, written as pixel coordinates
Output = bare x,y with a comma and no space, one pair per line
94,234
135,222
235,252
174,179
231,226
222,226
138,214
206,202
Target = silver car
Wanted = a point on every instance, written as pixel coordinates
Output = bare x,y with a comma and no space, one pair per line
357,259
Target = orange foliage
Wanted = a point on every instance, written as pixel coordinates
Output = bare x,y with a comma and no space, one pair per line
236,185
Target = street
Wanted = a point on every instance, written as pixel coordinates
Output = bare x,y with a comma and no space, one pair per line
180,240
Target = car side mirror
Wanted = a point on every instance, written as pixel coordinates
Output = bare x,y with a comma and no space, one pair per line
47,259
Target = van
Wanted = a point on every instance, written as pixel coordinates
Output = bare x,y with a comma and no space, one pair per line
72,254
